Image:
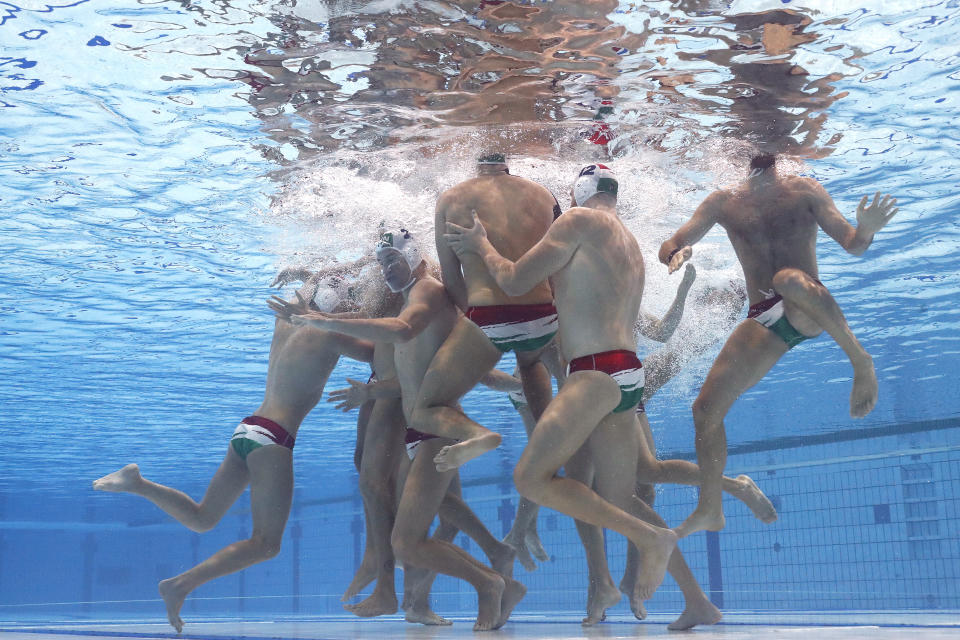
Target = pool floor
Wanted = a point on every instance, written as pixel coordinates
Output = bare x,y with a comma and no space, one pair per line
862,626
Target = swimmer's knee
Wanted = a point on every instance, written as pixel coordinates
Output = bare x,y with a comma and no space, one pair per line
203,522
530,483
402,546
267,547
789,280
701,412
372,485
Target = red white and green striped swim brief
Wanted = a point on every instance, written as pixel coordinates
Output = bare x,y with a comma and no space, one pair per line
621,365
254,432
516,327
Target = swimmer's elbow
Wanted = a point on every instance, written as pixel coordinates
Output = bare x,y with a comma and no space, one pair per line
405,333
513,290
511,285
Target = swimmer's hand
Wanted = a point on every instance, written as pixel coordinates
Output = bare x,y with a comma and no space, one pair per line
290,274
286,309
316,319
352,397
875,217
463,240
678,258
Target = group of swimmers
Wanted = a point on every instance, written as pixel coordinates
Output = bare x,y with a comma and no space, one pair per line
563,290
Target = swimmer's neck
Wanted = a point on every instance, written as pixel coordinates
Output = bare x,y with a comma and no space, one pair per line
762,180
601,203
492,170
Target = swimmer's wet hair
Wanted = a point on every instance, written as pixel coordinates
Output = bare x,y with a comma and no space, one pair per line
492,158
762,161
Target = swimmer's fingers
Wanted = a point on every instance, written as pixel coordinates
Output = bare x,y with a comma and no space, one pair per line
455,229
679,259
277,308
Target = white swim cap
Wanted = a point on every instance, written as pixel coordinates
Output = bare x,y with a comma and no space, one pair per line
404,244
326,298
594,179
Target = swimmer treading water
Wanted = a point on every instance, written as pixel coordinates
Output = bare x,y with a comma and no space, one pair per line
563,290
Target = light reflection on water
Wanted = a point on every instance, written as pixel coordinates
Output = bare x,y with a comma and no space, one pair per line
161,160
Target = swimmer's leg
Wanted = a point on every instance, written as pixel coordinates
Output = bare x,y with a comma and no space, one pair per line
750,352
698,608
523,536
271,491
225,487
367,571
583,403
463,359
809,307
417,584
650,470
458,513
423,492
601,592
383,446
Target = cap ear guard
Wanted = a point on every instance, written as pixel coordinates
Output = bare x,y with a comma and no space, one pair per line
607,185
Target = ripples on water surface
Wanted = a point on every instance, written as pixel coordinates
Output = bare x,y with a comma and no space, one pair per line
162,159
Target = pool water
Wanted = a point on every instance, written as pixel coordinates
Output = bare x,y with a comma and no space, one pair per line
163,159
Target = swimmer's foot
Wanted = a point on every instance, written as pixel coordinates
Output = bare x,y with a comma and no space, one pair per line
173,596
863,396
521,553
489,598
755,499
377,604
656,549
502,559
636,603
532,538
456,455
126,479
424,615
701,519
599,599
701,611
513,593
364,576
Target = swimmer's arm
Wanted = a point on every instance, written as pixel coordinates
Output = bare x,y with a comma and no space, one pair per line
450,271
354,348
359,393
382,389
412,320
677,249
661,329
544,259
498,380
870,219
